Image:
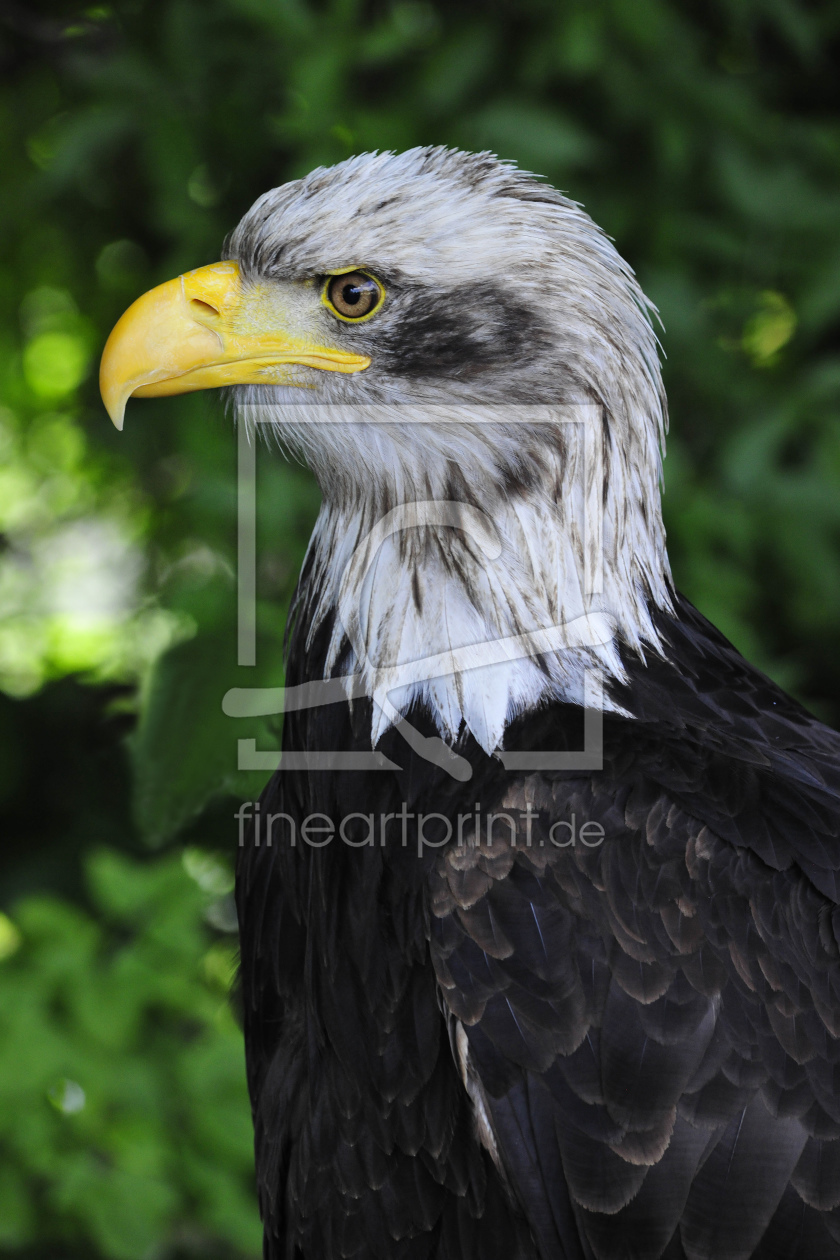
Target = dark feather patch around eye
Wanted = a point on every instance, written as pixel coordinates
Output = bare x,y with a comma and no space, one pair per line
460,334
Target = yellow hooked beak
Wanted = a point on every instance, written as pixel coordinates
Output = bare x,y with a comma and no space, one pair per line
207,329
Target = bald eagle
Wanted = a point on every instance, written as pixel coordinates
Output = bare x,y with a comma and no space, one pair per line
539,926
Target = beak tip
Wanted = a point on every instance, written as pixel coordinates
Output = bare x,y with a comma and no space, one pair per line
116,410
113,397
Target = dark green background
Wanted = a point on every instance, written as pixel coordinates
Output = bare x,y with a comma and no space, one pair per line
703,137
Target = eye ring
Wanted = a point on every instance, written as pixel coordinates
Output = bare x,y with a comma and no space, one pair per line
353,295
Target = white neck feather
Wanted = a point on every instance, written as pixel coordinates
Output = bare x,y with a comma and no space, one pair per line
483,562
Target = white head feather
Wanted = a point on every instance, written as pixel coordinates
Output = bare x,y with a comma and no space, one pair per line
514,377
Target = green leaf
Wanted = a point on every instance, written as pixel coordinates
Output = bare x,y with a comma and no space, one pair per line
540,139
185,750
127,1215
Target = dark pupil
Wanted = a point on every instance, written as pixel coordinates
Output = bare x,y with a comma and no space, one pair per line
351,294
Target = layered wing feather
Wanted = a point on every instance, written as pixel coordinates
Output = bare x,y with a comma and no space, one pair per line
651,1021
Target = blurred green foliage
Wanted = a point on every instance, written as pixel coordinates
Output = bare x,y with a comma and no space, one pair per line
115,1031
704,138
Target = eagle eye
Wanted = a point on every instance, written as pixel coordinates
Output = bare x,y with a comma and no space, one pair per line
353,295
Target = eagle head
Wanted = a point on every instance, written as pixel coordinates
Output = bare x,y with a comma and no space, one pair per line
438,328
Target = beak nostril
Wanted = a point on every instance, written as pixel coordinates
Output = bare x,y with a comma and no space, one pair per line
204,308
